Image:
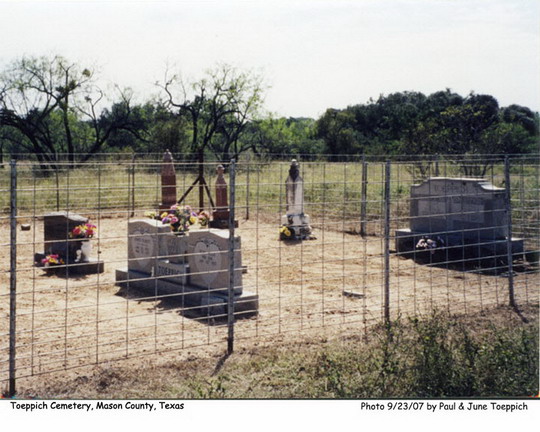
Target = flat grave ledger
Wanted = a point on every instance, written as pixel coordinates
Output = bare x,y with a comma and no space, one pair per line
192,267
75,252
457,212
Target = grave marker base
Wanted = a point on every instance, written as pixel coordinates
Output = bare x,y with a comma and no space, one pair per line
198,302
406,241
92,266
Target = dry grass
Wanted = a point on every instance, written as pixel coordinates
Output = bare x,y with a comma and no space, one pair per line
295,367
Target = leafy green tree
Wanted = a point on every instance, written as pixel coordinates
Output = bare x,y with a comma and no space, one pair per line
283,136
56,107
217,107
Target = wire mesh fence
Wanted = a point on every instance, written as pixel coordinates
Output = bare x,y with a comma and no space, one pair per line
90,275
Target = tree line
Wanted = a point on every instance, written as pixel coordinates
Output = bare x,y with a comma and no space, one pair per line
52,108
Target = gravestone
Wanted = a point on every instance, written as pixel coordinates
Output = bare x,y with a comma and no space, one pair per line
208,258
220,216
192,267
56,234
296,222
146,244
457,212
168,182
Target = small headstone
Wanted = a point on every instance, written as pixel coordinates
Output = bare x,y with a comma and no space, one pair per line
75,252
168,182
295,223
56,229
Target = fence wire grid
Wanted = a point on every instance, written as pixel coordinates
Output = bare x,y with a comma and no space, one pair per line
360,267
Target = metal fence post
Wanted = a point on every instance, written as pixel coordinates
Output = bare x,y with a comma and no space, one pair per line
230,298
132,176
13,278
509,234
387,242
363,198
247,188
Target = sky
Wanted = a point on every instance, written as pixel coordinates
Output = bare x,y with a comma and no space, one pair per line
313,55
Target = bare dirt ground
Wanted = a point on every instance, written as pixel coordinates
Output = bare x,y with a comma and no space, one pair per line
64,323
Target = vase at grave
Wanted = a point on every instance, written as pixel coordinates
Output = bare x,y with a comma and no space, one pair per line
84,250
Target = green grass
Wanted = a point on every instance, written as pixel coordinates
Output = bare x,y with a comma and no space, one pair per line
331,189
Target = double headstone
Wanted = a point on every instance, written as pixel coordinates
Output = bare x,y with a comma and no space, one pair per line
193,267
295,223
57,227
453,213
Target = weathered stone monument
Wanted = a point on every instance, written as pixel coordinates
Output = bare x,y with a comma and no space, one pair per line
168,182
295,223
73,251
220,216
457,215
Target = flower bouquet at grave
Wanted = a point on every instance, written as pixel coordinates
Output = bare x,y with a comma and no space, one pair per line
81,249
85,231
286,233
52,260
178,218
204,218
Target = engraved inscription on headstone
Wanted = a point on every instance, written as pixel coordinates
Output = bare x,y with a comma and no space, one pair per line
143,244
208,259
172,272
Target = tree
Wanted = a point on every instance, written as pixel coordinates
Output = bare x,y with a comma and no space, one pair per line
55,106
218,107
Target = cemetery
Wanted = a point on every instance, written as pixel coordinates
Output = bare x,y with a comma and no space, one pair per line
303,251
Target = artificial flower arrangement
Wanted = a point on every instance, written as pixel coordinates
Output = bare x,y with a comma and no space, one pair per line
84,231
285,233
204,218
52,260
180,218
